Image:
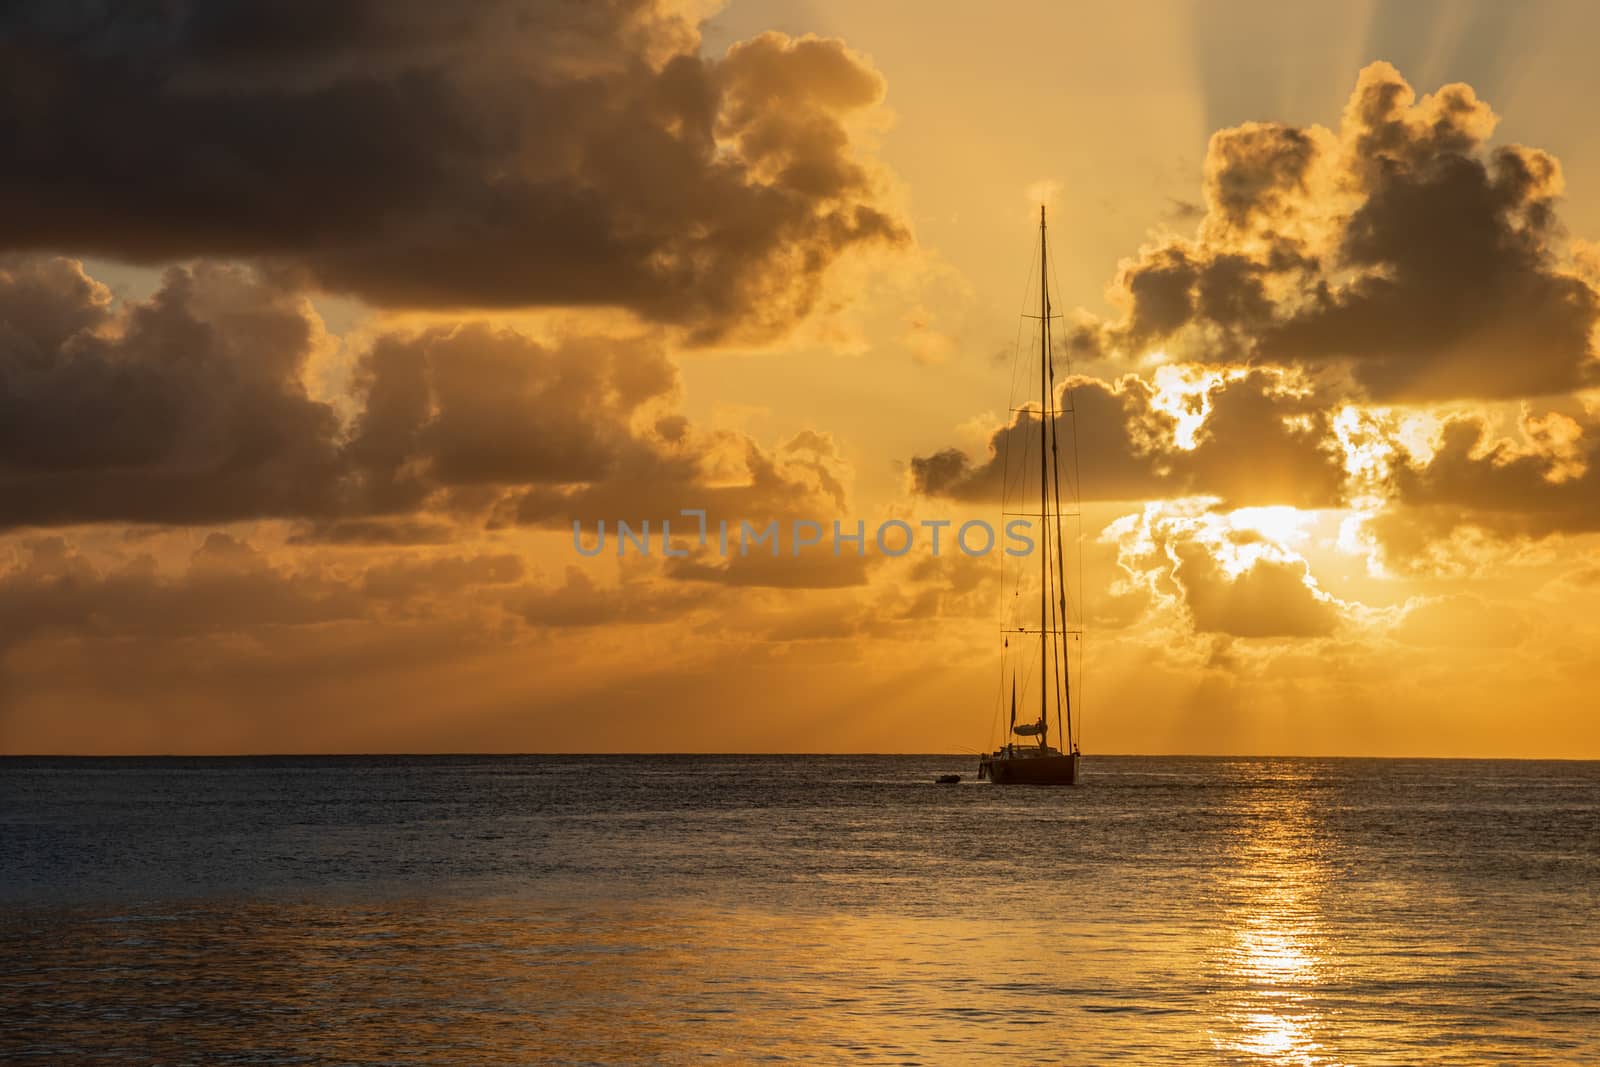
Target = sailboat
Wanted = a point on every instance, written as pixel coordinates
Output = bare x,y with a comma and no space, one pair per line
1027,756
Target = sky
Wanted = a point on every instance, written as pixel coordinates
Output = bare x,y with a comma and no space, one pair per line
321,327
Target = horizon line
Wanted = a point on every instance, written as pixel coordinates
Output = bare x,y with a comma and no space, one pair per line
724,754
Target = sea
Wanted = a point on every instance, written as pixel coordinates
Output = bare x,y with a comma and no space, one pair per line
479,910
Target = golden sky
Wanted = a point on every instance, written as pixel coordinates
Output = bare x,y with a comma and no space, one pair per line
315,339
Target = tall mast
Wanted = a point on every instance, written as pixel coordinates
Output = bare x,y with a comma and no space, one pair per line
1044,527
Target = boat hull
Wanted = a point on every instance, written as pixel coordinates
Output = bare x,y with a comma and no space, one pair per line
1030,770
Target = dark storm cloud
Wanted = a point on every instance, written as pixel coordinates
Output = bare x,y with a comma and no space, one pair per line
472,405
1259,444
1457,293
191,407
188,407
549,152
1401,248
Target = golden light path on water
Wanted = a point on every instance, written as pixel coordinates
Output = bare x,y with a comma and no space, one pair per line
1275,952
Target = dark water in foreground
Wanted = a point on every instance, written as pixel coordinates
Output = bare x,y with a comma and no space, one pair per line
483,910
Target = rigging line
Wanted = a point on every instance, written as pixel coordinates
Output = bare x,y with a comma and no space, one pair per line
1063,685
1008,483
1077,491
1005,476
1000,701
1021,669
1014,468
1017,366
1022,310
1064,678
1017,486
1044,506
1059,680
1018,473
1005,437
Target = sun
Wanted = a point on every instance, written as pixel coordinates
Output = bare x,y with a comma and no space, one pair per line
1281,523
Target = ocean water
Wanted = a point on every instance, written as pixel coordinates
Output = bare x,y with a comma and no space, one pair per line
819,909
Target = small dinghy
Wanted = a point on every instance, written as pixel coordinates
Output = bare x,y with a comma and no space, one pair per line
948,779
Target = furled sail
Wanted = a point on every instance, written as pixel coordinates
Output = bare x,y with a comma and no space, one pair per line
1032,729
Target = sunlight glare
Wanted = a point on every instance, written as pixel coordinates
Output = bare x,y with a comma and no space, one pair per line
1183,393
1282,523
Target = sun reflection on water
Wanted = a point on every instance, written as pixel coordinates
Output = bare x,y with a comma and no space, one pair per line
1272,956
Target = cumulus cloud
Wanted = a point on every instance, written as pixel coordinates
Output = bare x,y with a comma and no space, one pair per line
473,405
191,407
1474,494
585,154
187,407
1267,599
1226,575
1547,480
1401,249
520,153
1250,437
1346,326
